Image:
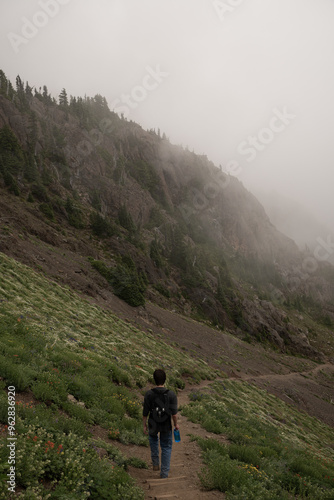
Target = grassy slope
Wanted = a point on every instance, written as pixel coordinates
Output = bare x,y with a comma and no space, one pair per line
53,343
274,451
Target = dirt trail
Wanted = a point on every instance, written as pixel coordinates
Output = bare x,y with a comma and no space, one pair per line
288,376
183,482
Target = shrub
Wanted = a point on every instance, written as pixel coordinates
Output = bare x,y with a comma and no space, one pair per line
75,217
119,376
163,290
211,424
247,454
47,210
125,219
137,462
39,192
221,474
127,286
124,279
11,183
155,253
100,226
14,375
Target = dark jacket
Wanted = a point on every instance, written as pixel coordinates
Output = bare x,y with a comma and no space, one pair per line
162,398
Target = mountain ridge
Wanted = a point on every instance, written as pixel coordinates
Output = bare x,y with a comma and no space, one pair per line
158,222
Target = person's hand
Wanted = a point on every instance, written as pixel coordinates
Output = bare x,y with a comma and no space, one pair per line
145,429
177,427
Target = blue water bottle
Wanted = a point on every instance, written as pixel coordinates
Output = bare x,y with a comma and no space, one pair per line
177,437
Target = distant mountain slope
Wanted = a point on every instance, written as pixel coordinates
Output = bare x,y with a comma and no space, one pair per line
295,221
148,220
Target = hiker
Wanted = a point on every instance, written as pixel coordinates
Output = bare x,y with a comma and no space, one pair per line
161,406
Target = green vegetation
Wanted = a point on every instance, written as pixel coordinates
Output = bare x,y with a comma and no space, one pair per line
125,219
146,175
11,159
102,160
101,226
272,451
85,369
54,344
155,253
47,210
75,215
126,282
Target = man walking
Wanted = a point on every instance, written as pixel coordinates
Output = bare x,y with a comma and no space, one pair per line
161,406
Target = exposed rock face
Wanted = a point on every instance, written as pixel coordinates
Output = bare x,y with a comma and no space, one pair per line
268,323
230,214
105,163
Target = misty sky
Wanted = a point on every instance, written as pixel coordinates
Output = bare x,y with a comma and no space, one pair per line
244,81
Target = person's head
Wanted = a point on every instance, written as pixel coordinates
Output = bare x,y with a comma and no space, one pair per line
159,377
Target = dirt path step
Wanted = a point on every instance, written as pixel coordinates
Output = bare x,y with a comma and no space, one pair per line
168,486
183,482
166,497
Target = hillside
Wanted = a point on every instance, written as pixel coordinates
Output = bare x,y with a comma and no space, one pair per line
80,373
121,252
297,222
158,223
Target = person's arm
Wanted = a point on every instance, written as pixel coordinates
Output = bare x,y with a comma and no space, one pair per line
174,411
146,411
145,425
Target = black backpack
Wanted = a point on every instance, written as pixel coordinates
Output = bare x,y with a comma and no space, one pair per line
160,411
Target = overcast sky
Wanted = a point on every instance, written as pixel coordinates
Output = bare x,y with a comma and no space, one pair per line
249,83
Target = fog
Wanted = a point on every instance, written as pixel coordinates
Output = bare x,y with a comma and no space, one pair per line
249,83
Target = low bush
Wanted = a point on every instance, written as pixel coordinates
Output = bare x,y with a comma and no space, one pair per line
265,458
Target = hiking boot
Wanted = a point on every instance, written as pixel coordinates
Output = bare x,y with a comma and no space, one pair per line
156,467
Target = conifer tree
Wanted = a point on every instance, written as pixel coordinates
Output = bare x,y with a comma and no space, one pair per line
46,96
63,100
19,85
3,83
125,219
28,90
32,134
22,100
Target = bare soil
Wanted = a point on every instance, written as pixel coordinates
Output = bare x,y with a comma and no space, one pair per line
183,481
298,381
186,463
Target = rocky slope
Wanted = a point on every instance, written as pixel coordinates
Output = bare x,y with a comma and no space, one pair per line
158,222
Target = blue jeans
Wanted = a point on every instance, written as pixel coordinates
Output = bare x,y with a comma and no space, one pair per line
166,441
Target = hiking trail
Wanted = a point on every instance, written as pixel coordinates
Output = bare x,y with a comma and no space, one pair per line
183,482
186,462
